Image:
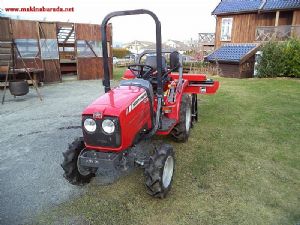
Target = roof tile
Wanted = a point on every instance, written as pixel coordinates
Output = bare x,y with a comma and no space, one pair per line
281,4
228,6
235,6
231,52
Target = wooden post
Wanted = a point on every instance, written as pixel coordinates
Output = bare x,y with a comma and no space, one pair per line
294,18
58,52
293,32
6,80
277,18
75,49
276,24
40,51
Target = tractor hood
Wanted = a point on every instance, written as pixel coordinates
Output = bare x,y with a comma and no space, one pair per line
114,102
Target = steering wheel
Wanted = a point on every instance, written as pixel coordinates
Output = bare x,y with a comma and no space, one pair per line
141,70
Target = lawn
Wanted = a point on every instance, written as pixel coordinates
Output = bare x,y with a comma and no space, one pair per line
118,72
241,165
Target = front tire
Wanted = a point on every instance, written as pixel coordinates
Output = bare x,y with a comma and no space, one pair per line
75,174
159,173
181,131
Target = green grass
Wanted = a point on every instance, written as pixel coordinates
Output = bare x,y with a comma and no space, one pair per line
241,165
118,72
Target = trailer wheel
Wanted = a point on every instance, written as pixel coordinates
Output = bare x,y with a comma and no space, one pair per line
74,173
159,172
181,131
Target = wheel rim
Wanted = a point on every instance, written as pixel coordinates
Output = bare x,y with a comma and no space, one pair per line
81,169
168,171
188,115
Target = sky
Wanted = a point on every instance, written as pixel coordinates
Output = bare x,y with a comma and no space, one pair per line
180,19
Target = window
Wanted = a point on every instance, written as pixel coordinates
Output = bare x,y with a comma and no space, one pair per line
66,49
28,48
88,48
69,49
49,49
84,48
226,29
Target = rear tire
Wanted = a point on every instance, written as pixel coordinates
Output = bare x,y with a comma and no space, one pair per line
70,164
159,172
181,131
195,113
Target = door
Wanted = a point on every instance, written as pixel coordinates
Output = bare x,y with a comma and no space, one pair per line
89,51
49,51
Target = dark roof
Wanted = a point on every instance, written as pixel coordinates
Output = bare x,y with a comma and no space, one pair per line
238,6
231,52
233,6
281,4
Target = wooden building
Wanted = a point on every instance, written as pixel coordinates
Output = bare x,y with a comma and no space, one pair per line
206,44
243,22
55,48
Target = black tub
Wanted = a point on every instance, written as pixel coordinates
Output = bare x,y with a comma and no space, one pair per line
18,87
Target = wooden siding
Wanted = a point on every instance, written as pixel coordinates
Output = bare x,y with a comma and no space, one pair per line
30,63
89,68
52,71
266,19
229,70
24,29
244,26
47,30
245,70
296,19
91,32
285,18
92,67
5,29
218,31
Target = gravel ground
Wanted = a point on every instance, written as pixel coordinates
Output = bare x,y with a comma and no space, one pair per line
33,136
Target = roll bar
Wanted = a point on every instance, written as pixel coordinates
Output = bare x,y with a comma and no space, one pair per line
106,80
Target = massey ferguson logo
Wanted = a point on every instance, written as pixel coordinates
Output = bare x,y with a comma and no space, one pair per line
97,115
141,98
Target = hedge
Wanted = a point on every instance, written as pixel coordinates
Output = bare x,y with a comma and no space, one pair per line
280,59
120,52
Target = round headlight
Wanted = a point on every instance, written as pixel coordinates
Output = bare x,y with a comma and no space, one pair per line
108,126
90,125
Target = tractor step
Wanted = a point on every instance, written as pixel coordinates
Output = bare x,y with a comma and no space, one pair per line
167,124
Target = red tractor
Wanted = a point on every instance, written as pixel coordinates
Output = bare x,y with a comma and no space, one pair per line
118,126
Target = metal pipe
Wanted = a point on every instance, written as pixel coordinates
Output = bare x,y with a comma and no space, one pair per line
106,80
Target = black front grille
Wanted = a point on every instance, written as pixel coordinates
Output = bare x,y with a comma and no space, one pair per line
99,137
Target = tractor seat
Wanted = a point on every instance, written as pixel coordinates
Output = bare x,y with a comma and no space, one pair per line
145,84
151,61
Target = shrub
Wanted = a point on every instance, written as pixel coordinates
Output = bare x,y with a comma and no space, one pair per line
292,58
280,59
120,52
